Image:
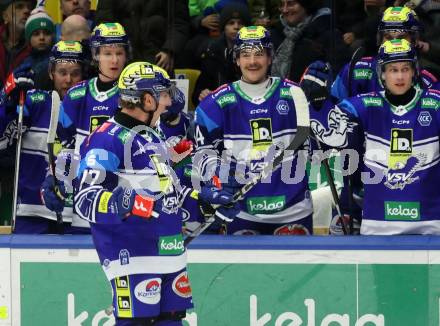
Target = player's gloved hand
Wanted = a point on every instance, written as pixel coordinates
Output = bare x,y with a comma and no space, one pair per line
222,195
127,202
22,78
53,197
336,226
315,82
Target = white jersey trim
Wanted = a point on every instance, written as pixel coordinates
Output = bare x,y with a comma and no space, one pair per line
145,265
373,227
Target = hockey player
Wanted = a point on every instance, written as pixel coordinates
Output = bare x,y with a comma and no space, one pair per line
87,105
396,131
242,123
65,69
396,22
129,195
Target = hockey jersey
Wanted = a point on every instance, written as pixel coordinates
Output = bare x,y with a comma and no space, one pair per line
400,151
246,133
34,157
115,155
82,111
365,79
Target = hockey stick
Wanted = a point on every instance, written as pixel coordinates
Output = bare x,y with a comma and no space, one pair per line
54,114
331,182
17,157
303,131
357,55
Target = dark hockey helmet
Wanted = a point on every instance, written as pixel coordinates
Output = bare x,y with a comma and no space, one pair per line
400,20
177,105
252,37
66,51
139,78
108,34
396,51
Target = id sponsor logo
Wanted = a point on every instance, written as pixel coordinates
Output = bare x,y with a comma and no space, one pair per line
261,133
148,291
402,211
265,205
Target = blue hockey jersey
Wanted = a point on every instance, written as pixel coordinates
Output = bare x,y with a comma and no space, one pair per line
399,147
83,110
243,132
365,79
115,155
34,157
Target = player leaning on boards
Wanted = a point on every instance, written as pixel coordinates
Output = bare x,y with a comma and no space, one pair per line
397,132
129,194
87,105
239,129
66,67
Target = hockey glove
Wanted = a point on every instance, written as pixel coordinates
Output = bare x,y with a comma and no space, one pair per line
21,79
316,82
127,202
214,193
53,197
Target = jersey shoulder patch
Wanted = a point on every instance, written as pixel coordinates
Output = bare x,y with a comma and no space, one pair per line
37,96
78,91
371,99
430,99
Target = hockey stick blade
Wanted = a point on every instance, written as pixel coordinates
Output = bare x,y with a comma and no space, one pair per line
54,114
302,132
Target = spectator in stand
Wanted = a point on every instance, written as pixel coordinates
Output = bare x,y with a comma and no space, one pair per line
304,35
75,28
217,64
157,29
39,32
13,48
75,7
264,12
205,26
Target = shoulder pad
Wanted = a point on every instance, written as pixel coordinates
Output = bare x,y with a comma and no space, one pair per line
37,96
220,89
77,91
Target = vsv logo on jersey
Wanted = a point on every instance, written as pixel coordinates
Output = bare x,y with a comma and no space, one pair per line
261,133
265,205
148,291
258,166
403,174
171,245
402,211
170,205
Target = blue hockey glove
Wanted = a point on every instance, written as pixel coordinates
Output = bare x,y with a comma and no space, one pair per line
53,197
215,193
21,79
127,202
316,82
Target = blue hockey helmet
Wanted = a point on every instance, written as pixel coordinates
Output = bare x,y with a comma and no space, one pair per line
399,19
107,34
252,37
66,51
396,51
139,78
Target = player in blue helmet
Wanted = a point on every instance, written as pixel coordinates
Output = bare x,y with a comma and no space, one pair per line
130,196
239,126
66,67
90,103
395,133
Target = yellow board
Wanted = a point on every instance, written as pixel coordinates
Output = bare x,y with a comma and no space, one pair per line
53,9
192,75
